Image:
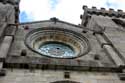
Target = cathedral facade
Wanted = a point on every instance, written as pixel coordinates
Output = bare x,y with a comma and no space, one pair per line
54,51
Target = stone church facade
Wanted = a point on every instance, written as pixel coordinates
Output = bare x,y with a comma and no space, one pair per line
54,51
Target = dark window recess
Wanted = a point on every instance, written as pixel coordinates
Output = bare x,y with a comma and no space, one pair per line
66,74
96,57
86,20
119,22
122,76
1,0
23,52
2,72
85,23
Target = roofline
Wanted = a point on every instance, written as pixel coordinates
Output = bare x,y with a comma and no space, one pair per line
49,21
57,21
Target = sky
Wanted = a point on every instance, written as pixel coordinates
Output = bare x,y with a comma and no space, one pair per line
65,10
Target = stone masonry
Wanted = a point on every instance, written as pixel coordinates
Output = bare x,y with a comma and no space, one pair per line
103,62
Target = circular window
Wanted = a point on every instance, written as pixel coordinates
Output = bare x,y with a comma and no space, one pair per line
56,49
57,42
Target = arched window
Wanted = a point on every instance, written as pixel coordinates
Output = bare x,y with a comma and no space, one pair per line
65,81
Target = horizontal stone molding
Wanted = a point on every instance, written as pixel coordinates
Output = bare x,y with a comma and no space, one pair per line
57,64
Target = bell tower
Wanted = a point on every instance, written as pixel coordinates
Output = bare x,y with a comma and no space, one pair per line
9,12
109,30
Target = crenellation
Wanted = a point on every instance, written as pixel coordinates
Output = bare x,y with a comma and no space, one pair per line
111,12
103,12
84,7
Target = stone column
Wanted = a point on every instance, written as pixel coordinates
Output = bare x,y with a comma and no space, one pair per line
2,29
4,48
109,50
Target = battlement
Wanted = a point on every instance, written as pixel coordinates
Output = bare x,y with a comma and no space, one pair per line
102,11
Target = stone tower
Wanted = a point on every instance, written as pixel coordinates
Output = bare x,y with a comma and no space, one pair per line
54,51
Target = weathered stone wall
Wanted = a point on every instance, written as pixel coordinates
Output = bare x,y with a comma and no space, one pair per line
7,17
48,76
96,50
103,64
109,34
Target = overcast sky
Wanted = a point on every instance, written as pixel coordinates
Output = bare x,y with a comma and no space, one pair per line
66,10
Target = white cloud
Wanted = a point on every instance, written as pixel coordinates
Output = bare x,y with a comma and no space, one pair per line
67,10
39,9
